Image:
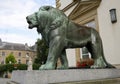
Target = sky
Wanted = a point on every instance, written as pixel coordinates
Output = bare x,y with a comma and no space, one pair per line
13,25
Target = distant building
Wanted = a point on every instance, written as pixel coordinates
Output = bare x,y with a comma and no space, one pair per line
104,16
20,51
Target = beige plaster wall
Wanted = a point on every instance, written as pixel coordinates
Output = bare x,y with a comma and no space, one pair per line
64,3
70,10
110,32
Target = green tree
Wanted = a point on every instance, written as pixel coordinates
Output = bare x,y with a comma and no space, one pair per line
10,58
42,52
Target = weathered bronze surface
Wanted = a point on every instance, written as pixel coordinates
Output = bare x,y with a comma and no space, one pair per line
60,33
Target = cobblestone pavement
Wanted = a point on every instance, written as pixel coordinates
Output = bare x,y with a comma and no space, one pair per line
3,80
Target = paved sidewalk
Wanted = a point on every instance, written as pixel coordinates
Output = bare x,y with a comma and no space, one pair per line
4,80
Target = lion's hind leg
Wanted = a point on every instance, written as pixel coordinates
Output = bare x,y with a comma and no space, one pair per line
99,62
96,49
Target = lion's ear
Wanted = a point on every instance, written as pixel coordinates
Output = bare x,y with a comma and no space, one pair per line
45,8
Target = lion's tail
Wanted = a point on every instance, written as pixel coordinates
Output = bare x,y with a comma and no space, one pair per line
108,65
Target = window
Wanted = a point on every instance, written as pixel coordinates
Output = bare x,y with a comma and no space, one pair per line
2,62
85,53
27,54
91,24
3,53
19,54
19,61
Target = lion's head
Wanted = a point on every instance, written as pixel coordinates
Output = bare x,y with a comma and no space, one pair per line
45,17
32,20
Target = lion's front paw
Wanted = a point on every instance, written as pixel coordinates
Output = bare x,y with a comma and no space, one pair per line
47,67
63,67
41,67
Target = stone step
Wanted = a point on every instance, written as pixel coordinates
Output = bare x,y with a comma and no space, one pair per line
57,76
12,82
102,81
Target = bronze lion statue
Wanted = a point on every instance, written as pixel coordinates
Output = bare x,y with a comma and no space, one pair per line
61,33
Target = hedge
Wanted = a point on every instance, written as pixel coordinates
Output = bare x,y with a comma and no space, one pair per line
21,67
3,68
36,66
11,67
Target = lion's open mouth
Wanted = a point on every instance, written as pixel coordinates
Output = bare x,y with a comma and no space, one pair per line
29,22
30,26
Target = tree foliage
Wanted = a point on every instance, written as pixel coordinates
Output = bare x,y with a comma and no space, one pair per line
10,59
42,52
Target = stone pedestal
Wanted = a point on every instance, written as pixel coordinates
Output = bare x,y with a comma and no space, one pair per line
57,76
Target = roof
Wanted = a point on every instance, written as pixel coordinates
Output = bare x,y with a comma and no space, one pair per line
15,46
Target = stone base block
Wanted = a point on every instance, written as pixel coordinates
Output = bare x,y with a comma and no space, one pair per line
101,81
57,76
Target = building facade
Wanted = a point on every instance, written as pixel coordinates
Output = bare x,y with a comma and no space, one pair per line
21,52
104,16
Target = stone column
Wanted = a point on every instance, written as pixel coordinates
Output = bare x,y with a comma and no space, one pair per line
77,55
